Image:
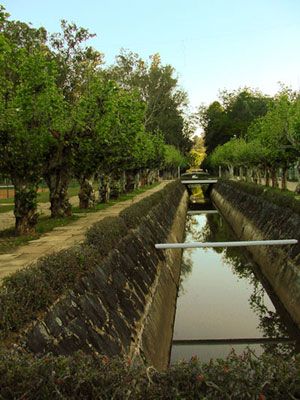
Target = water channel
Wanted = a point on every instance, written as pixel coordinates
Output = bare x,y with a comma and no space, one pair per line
222,303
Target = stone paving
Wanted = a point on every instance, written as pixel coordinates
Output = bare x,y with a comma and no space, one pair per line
62,237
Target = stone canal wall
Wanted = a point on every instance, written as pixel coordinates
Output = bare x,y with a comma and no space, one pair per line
125,305
254,218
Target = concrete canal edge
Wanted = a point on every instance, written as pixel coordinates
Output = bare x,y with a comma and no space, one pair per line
127,304
254,218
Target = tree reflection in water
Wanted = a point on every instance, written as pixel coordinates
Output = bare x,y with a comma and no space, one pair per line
216,230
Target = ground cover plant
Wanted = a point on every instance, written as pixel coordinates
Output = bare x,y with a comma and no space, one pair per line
99,377
282,198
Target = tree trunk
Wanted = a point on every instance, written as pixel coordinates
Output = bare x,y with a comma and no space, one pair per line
86,193
130,181
259,176
58,184
255,175
25,208
267,177
115,186
104,188
137,180
240,173
123,182
297,190
274,177
248,174
284,178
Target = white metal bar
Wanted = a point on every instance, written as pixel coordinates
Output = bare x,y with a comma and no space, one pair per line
195,212
225,244
199,181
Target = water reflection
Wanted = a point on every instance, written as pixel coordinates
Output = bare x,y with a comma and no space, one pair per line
201,275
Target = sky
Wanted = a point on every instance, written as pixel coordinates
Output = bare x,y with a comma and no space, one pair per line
212,44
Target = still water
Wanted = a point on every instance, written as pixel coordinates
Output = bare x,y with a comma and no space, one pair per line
220,297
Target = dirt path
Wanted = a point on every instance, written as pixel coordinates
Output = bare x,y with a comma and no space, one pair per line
62,237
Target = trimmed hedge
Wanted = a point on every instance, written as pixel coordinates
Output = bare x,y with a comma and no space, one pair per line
30,291
281,198
98,377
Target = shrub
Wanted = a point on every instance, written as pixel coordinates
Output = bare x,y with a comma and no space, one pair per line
281,198
105,234
97,377
29,291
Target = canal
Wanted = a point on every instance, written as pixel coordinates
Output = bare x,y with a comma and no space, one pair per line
221,302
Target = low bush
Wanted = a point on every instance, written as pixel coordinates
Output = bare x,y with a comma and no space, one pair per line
105,234
281,198
97,377
31,290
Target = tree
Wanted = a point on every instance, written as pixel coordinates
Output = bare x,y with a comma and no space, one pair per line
232,116
76,63
273,132
197,153
158,88
30,106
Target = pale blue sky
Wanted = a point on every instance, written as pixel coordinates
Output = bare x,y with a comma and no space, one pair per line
213,44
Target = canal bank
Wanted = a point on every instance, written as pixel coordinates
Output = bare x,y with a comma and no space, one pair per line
254,218
223,301
123,300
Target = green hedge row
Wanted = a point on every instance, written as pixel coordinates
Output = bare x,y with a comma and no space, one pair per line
98,377
28,292
281,198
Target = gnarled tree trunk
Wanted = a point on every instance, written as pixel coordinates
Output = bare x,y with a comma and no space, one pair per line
58,184
274,177
284,178
130,182
86,193
104,188
116,185
25,207
267,177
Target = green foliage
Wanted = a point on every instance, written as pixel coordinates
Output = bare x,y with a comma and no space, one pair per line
232,116
105,234
98,377
173,158
158,88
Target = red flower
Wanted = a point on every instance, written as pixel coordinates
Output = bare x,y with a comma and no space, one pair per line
226,369
105,360
200,378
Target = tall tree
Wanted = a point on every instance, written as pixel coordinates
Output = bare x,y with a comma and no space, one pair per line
158,88
77,63
232,116
31,106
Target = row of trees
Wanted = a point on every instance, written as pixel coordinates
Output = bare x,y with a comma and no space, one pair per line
264,143
63,115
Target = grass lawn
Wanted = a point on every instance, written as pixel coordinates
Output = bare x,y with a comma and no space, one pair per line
5,208
9,241
43,197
